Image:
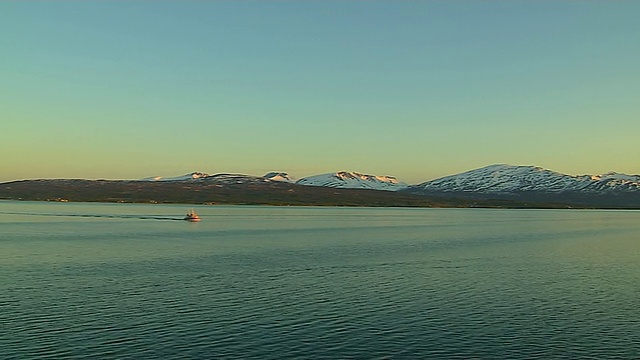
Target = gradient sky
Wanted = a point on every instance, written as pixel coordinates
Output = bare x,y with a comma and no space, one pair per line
416,89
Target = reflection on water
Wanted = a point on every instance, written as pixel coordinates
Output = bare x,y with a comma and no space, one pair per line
117,281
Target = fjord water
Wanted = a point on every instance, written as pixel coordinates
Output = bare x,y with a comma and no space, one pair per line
133,282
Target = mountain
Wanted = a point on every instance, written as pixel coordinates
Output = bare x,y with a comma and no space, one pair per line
616,177
213,189
192,176
220,178
491,186
279,176
353,180
535,184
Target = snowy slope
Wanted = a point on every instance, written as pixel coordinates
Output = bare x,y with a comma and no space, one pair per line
509,179
233,179
279,176
520,183
211,179
616,178
353,180
192,176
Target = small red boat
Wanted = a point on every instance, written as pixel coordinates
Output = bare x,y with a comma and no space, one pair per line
192,216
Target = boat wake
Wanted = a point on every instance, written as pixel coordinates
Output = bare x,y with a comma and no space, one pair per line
108,216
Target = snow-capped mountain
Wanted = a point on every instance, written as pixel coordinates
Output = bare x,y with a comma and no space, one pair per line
279,176
200,176
523,184
353,180
232,179
502,179
192,176
531,183
494,185
616,177
216,179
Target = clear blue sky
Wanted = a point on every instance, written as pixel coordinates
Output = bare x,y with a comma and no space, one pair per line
416,89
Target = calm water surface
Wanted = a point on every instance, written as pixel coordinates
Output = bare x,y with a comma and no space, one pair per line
132,282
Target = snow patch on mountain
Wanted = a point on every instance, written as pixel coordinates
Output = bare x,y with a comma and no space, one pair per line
616,177
191,176
233,179
353,180
279,176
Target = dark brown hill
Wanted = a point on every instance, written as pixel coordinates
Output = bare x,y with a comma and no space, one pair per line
230,190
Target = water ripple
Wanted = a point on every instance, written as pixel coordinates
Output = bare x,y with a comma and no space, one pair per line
344,294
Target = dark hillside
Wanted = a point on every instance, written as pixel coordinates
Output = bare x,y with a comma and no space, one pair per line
208,192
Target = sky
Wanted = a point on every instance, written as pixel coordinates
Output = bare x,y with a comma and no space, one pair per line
411,89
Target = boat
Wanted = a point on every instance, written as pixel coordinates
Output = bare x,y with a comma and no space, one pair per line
192,216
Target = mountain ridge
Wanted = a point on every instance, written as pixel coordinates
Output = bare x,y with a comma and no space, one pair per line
353,180
514,177
534,183
508,185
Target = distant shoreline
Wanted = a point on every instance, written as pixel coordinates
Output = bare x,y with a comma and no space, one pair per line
272,193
